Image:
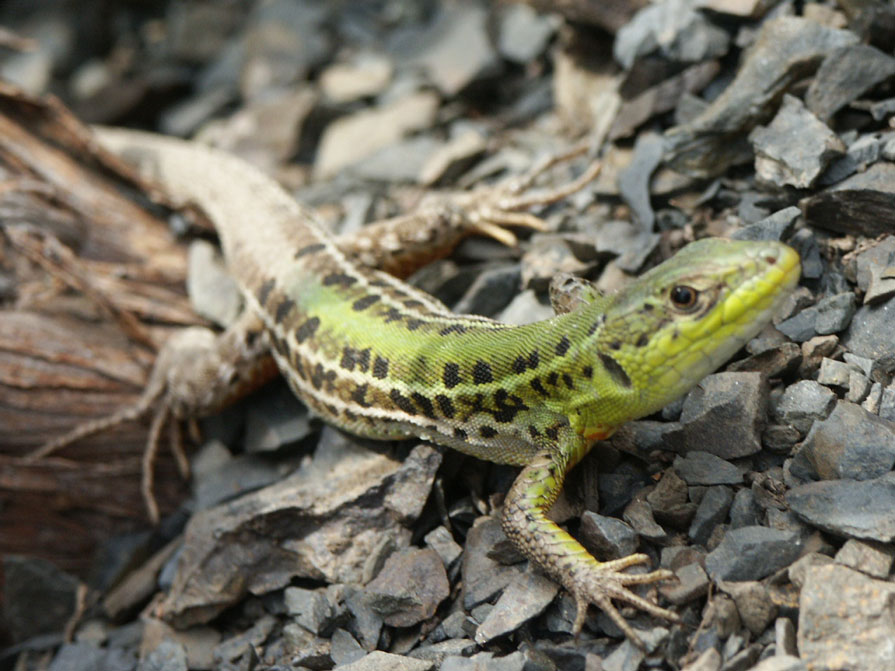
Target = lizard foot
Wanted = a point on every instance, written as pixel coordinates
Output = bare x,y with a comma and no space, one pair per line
599,583
495,207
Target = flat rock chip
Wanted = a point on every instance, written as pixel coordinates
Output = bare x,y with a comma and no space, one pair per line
795,148
751,553
322,522
870,332
846,74
384,661
523,599
724,414
863,204
409,587
851,443
847,507
845,621
785,51
702,468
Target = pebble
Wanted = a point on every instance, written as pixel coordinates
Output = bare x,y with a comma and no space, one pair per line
870,557
751,553
850,443
703,468
607,537
524,598
848,507
409,588
845,620
384,661
795,148
802,403
778,226
724,414
846,74
712,511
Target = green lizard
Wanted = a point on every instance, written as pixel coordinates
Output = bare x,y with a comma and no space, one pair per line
382,360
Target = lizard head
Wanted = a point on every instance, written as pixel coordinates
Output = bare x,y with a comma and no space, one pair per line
681,320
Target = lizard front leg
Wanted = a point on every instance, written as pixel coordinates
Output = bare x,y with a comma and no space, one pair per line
589,581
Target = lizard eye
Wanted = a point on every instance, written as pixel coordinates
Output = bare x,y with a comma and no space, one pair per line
683,297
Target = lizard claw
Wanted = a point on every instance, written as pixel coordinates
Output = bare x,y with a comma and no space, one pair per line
600,583
508,204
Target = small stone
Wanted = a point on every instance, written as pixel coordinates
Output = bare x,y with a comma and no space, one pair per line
785,637
345,649
778,226
452,158
38,598
167,656
845,620
692,583
522,600
607,537
455,49
524,33
858,387
859,205
780,663
709,660
385,661
306,649
876,257
441,540
795,148
491,291
751,553
311,609
845,75
850,443
753,602
79,657
438,652
847,507
814,351
702,468
350,139
780,438
744,511
712,511
484,577
802,403
409,588
870,557
834,373
275,418
365,76
834,313
874,399
640,516
724,413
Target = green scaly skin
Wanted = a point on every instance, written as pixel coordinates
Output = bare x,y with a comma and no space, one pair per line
380,359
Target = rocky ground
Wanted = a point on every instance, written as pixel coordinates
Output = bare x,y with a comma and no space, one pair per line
768,490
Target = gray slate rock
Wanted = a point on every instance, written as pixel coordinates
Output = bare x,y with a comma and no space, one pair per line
847,507
751,553
78,657
702,468
712,511
484,577
166,656
845,75
777,226
385,661
38,598
744,510
311,609
786,49
724,414
607,537
834,313
871,329
802,403
849,444
524,598
409,587
244,546
860,205
845,621
870,557
795,148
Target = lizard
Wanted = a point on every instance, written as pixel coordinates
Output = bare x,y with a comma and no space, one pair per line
380,359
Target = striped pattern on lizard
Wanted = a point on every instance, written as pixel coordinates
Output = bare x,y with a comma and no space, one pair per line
380,359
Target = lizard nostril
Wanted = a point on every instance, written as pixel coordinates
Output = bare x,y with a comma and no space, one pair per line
771,259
